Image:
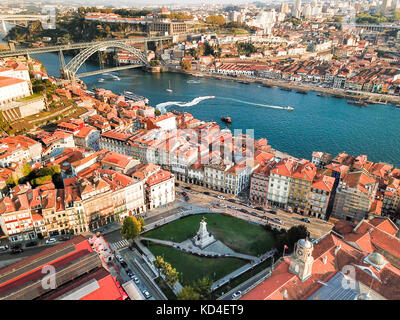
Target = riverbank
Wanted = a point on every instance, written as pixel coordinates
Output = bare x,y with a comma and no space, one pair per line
373,98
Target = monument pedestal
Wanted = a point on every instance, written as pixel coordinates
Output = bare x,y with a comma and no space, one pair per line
203,238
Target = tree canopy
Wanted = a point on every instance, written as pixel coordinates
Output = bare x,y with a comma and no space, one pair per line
188,293
186,65
218,20
131,228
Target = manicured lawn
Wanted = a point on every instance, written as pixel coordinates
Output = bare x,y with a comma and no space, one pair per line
192,267
237,234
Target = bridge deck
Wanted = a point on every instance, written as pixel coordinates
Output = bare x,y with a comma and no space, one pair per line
72,46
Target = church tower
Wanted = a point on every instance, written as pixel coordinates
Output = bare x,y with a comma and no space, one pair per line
302,260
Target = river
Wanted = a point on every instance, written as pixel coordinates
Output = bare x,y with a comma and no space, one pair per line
316,124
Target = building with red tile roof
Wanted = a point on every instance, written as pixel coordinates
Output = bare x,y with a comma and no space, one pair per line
316,271
159,184
354,196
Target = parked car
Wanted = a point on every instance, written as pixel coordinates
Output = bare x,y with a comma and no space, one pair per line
236,294
119,258
146,294
206,193
136,279
176,184
259,208
4,248
277,220
66,238
306,220
31,244
232,200
16,249
221,197
51,240
188,188
129,272
271,211
243,210
123,264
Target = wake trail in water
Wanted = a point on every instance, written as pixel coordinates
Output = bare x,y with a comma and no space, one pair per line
254,104
163,106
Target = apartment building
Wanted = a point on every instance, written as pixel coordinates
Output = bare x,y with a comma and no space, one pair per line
116,141
12,89
391,198
159,184
87,137
320,196
19,149
279,183
354,196
301,178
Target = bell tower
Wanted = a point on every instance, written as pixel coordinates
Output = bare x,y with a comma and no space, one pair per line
302,260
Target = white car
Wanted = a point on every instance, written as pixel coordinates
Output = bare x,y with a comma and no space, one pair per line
136,279
146,294
51,240
236,294
119,258
221,197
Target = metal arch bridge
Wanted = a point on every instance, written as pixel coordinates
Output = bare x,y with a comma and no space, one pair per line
70,70
75,46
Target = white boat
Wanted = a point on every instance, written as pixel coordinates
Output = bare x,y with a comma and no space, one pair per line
101,80
169,87
289,108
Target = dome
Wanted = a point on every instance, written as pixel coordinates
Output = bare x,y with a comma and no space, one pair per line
305,243
377,259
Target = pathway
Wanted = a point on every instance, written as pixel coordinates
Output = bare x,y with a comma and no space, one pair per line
190,248
241,270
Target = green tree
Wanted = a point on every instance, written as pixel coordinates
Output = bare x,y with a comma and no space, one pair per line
154,62
41,180
186,65
142,223
188,293
216,20
203,287
172,276
26,169
131,228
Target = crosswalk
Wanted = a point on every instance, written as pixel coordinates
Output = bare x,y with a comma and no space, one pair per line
119,245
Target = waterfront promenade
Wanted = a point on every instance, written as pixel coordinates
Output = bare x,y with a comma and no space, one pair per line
296,86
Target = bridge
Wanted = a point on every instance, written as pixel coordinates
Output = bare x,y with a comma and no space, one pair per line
76,46
371,27
68,71
14,18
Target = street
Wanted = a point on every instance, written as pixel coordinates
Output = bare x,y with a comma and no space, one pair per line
130,257
316,227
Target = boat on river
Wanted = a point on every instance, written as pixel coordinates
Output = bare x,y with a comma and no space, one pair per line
169,87
226,119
